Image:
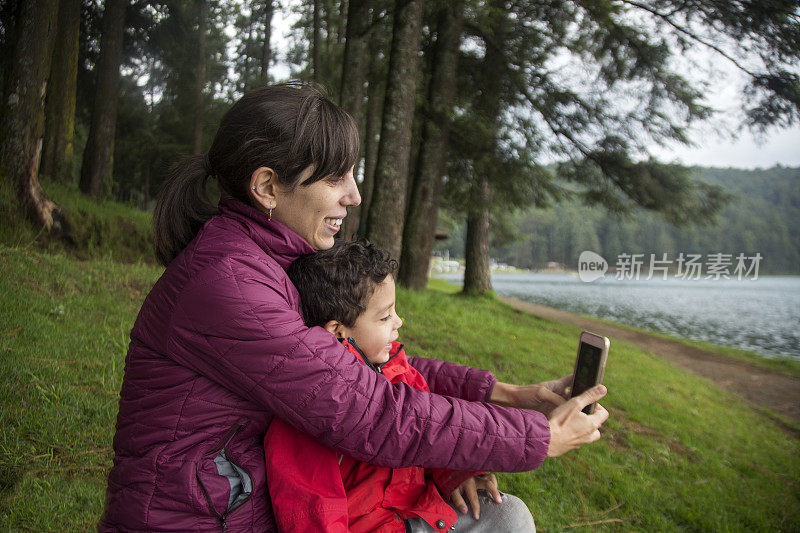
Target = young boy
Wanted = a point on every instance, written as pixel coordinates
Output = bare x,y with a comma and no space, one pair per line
349,290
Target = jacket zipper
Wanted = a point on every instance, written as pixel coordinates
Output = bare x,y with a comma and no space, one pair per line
377,368
236,506
225,440
381,365
352,342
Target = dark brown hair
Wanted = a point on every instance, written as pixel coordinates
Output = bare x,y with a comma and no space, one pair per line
336,284
286,127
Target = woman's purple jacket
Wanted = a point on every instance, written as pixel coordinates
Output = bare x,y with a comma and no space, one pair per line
219,348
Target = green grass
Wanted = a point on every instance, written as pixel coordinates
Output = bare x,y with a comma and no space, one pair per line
99,228
678,453
63,339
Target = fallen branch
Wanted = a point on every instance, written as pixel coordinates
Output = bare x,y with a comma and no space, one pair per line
598,522
613,508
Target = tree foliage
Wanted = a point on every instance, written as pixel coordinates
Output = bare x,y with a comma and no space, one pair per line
590,85
764,204
597,85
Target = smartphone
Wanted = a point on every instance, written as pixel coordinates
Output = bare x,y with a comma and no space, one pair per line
589,365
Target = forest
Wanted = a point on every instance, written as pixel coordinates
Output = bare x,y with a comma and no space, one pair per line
761,217
463,105
525,129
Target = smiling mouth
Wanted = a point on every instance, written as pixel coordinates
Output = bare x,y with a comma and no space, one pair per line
333,221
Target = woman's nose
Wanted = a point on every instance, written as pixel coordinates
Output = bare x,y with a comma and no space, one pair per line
353,197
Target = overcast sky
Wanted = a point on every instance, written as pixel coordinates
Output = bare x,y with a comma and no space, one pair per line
720,142
779,147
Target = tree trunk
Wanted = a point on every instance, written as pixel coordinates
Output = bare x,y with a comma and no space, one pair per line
98,156
372,131
420,227
146,186
266,51
354,72
387,208
23,112
62,87
200,78
354,75
330,29
10,12
317,44
477,275
341,28
247,50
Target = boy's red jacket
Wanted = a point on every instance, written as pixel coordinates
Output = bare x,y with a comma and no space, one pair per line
314,488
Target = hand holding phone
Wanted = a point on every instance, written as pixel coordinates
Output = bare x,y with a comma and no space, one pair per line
590,365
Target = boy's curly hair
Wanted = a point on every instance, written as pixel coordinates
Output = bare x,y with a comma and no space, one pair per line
336,284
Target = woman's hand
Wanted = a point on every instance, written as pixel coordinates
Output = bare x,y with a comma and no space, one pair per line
542,397
469,488
570,427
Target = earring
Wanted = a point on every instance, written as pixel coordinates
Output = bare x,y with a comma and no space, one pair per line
269,215
253,188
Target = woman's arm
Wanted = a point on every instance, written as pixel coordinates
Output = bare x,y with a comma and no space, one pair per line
450,379
239,329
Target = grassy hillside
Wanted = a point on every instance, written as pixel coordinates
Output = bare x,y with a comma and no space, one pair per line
677,453
99,228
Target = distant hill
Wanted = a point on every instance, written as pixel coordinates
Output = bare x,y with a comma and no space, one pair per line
763,217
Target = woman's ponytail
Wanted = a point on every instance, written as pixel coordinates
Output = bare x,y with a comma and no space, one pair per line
182,207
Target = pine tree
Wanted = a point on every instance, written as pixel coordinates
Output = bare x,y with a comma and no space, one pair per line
418,234
200,77
57,159
354,77
391,173
23,112
98,156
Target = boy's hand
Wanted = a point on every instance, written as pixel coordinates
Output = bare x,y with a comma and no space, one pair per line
542,397
469,488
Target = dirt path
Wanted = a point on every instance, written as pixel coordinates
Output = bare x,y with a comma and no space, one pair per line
761,387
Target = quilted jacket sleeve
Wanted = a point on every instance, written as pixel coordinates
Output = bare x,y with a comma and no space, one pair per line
450,379
235,325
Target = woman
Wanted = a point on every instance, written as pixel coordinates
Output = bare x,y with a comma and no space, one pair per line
219,347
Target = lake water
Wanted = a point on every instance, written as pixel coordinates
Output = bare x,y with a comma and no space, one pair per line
762,315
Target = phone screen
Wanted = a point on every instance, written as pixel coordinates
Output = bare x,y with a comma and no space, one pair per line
586,372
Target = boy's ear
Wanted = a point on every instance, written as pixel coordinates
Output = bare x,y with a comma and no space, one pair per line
336,327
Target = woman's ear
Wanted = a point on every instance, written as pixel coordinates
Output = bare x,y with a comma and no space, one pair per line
264,187
337,328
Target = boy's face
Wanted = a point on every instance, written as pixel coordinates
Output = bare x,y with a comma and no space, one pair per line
376,328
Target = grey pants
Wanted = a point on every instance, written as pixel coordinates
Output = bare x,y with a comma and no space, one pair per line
511,516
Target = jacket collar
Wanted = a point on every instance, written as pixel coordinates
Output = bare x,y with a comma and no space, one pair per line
275,238
397,363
